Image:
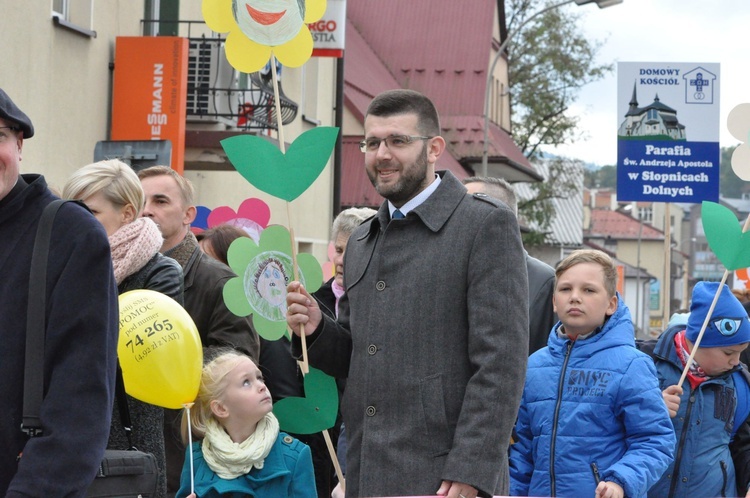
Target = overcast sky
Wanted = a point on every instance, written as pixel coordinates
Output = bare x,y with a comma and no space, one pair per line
660,31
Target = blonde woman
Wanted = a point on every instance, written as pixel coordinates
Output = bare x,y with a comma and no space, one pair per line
113,193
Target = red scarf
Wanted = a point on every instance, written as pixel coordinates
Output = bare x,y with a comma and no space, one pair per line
695,374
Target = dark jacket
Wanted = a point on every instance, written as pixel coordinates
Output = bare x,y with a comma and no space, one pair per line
80,346
433,335
541,315
709,461
160,274
593,400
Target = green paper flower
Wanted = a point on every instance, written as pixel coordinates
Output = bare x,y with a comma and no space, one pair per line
263,272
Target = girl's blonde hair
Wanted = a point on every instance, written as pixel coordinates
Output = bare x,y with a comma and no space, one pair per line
212,387
115,179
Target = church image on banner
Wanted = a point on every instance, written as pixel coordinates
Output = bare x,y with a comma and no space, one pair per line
656,121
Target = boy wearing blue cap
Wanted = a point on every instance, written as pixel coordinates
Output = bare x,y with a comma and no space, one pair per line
710,409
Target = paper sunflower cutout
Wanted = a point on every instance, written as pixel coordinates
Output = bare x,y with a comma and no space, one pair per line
725,236
264,270
258,27
252,216
314,412
738,123
285,176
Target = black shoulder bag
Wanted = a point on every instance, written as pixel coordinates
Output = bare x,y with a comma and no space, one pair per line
122,473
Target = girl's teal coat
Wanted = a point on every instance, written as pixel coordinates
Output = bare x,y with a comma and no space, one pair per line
287,472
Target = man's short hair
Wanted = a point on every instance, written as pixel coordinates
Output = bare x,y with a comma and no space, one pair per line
590,256
185,186
394,102
499,188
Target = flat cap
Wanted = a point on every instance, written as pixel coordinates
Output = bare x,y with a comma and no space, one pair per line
10,112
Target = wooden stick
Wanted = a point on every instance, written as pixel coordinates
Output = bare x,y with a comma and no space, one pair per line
304,365
703,329
335,459
277,101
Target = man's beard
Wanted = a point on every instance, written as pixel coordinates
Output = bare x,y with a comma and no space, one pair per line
411,182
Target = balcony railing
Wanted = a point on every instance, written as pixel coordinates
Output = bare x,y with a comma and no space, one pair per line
217,93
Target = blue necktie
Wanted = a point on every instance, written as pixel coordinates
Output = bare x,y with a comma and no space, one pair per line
397,215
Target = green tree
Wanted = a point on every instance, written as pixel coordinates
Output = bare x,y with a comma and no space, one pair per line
604,177
549,61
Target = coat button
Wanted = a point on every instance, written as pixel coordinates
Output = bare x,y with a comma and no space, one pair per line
372,349
370,411
380,285
684,479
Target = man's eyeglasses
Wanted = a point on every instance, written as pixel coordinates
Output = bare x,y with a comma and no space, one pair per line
394,142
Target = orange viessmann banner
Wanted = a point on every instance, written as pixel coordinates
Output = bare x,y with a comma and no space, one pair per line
150,91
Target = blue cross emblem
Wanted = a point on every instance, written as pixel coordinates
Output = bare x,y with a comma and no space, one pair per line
699,82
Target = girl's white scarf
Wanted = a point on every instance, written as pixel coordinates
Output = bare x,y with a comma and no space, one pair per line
229,459
133,245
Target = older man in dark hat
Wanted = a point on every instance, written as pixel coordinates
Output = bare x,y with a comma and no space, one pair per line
80,339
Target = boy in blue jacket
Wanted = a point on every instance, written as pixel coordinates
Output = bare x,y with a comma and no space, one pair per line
709,410
592,420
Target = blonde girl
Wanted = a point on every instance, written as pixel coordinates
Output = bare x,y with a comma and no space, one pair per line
239,449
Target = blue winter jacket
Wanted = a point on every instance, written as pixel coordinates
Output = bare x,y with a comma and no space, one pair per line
287,472
704,426
591,401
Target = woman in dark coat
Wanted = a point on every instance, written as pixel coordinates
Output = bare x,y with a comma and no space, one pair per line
113,193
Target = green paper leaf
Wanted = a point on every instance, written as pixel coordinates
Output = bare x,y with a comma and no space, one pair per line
284,176
725,236
316,411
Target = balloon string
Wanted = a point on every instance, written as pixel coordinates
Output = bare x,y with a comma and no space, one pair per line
190,446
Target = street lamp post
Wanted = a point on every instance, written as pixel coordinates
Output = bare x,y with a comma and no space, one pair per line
638,312
686,270
601,3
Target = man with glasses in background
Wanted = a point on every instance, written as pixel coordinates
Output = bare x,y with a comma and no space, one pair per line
432,332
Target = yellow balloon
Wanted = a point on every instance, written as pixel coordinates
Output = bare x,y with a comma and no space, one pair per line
159,349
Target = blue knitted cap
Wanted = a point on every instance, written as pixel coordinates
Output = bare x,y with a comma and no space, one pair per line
729,324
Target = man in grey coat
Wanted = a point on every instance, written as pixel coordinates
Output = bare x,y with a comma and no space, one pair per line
432,331
541,275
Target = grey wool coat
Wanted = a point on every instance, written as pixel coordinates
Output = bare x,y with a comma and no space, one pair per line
433,337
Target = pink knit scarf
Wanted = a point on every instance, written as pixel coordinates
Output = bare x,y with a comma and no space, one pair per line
133,245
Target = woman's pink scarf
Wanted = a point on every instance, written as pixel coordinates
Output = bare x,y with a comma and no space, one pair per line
133,245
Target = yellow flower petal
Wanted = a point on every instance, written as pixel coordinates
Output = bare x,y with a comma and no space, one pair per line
218,15
296,51
314,10
244,54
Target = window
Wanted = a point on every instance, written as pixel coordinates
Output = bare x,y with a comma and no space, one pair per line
74,15
60,7
646,214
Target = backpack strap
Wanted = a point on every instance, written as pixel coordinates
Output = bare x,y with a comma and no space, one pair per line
33,381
